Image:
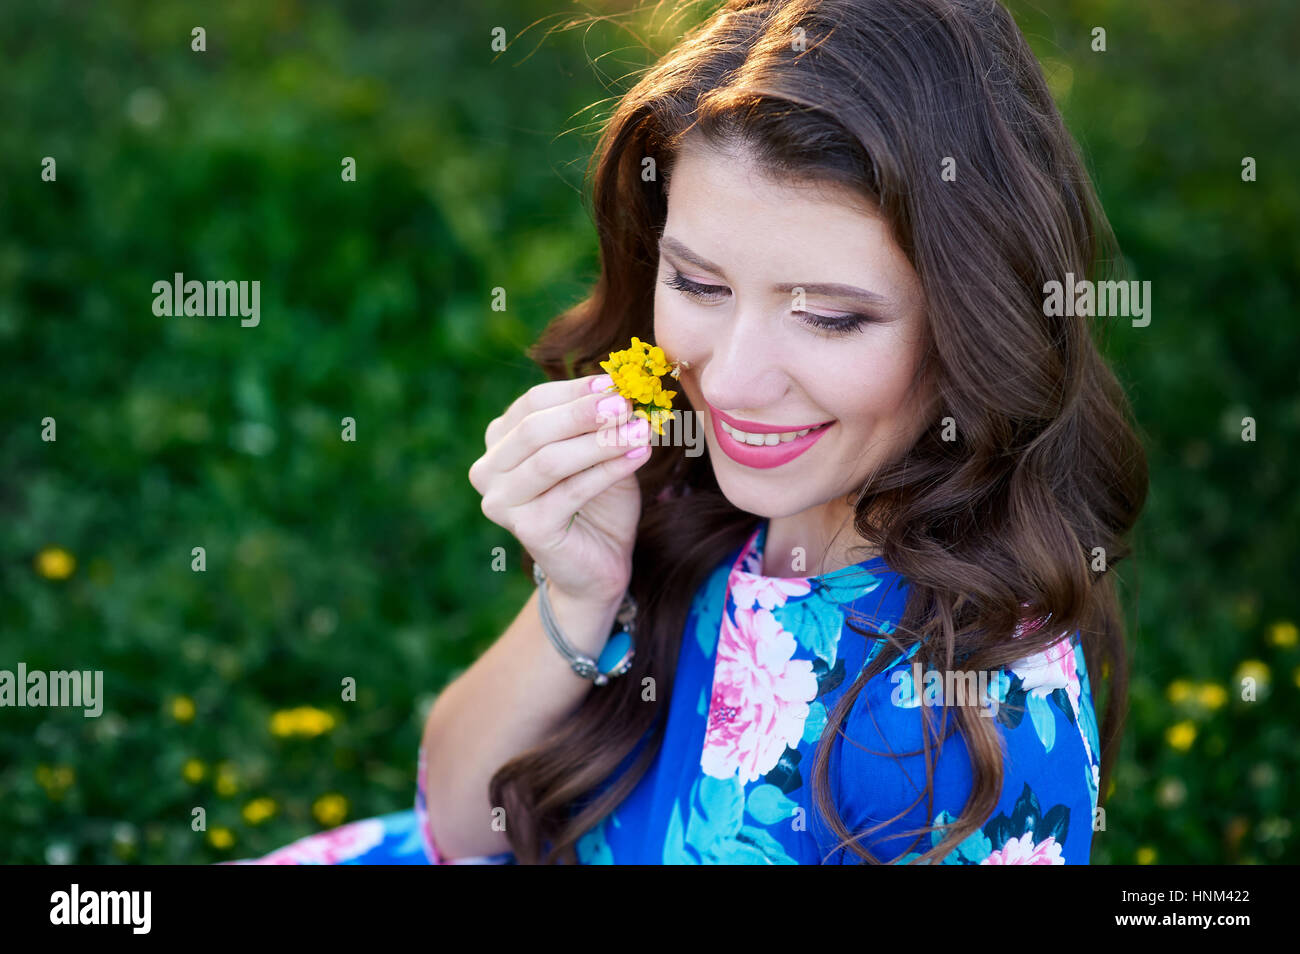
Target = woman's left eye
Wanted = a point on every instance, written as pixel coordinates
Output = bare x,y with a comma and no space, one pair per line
841,325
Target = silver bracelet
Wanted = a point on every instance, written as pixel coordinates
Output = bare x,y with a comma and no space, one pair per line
615,658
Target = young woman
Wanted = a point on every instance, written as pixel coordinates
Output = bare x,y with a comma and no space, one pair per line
841,217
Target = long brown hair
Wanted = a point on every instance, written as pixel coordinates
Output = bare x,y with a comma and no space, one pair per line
990,530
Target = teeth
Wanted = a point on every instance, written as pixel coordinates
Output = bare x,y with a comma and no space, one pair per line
763,440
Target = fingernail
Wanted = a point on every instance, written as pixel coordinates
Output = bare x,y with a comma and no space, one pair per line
600,383
637,452
638,431
611,406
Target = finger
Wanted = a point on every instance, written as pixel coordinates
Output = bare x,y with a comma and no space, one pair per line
552,426
558,461
548,515
538,398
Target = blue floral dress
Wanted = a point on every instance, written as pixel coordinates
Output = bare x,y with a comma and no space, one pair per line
763,662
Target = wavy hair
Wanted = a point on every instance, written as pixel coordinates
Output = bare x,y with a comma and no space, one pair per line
992,531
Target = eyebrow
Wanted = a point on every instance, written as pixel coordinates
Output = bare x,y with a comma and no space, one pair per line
831,289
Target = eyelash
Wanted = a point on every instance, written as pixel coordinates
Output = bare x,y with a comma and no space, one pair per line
835,326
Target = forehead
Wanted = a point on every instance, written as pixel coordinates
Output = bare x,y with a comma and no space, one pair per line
730,210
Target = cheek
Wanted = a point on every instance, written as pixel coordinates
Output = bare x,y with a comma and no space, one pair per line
674,330
873,389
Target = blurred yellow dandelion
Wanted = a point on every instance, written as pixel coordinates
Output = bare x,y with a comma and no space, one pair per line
194,771
1211,695
330,810
183,709
302,721
1282,634
1252,669
1181,735
1146,855
1180,690
259,810
56,779
227,780
55,563
221,837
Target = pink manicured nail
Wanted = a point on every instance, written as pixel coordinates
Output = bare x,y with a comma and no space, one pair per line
611,406
638,430
638,452
600,383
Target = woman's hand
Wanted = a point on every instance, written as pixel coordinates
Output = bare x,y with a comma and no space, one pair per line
553,454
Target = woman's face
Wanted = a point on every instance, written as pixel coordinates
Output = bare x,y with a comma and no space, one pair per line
741,246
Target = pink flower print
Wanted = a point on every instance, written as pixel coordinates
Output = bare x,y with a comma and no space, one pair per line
328,847
1049,670
760,697
767,591
1023,851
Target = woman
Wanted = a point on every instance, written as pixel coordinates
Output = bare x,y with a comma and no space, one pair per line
840,216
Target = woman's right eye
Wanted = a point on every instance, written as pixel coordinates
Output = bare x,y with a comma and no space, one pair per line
695,289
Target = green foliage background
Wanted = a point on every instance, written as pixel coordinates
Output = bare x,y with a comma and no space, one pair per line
328,559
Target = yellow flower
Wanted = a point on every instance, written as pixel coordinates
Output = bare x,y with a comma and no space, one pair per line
330,809
194,771
1296,676
227,781
1146,855
1181,736
1252,669
221,837
1283,634
55,563
259,810
1179,691
183,709
304,721
636,372
1211,696
55,780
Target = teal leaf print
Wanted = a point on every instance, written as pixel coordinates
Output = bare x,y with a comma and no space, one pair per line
707,608
1044,721
716,805
1062,699
715,832
675,850
768,805
828,681
970,851
815,624
815,724
593,849
768,846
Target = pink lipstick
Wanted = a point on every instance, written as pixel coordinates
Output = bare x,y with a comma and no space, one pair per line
763,456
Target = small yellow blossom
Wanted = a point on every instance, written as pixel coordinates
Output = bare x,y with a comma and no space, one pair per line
1283,634
1181,736
636,372
55,779
227,781
259,810
302,721
1211,695
194,771
1146,855
55,563
1178,691
221,837
1252,669
183,709
330,809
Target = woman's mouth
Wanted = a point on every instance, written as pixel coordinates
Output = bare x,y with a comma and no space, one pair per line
770,449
